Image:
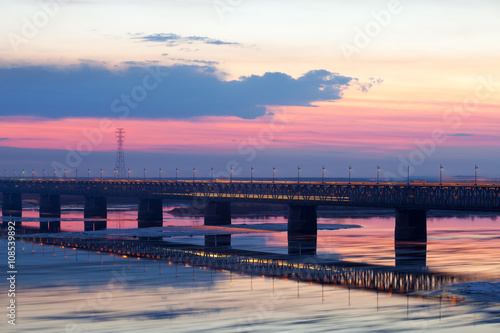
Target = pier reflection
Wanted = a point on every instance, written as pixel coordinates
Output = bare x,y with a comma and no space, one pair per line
302,245
91,225
411,254
217,240
50,226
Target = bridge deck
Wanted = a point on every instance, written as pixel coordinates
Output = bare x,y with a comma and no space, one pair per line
450,196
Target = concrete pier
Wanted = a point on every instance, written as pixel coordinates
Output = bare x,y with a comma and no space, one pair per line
218,213
411,225
50,205
95,208
302,229
12,204
150,213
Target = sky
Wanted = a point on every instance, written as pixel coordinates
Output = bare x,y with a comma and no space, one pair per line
235,84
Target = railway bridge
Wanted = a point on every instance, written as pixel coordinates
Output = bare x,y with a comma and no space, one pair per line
410,201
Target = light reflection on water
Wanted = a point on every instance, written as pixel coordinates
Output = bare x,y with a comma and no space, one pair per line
66,290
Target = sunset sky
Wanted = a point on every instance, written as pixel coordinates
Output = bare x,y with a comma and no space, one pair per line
235,83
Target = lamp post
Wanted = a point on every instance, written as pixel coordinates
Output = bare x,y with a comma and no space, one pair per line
350,174
408,174
274,169
159,175
128,174
211,174
144,174
176,171
22,174
475,174
88,174
251,174
101,173
76,174
54,173
440,175
323,174
32,174
65,174
114,174
194,170
13,173
378,174
298,174
231,175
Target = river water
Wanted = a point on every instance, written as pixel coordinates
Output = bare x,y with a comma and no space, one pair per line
67,290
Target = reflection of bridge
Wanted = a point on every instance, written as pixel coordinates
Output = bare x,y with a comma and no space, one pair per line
380,278
411,201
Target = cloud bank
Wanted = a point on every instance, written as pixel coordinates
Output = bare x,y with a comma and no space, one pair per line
180,91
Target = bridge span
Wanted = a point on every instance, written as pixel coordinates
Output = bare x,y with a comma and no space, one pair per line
410,200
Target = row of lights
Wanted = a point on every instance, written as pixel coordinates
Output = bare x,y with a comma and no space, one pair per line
231,174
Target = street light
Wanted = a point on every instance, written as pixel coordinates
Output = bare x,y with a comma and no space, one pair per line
32,174
440,175
274,169
475,174
54,173
378,174
350,174
101,174
408,174
211,174
323,174
65,174
176,170
298,174
22,175
88,174
231,175
144,174
76,174
128,174
251,174
194,170
43,173
159,174
114,174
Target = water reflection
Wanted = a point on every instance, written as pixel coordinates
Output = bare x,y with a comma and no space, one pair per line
377,278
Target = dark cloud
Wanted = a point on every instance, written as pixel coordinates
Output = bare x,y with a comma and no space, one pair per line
180,91
170,39
461,134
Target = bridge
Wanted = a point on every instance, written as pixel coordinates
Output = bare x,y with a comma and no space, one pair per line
410,200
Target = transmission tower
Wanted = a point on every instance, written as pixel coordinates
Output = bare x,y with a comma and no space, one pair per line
120,157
